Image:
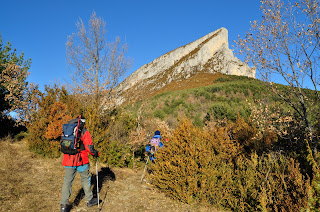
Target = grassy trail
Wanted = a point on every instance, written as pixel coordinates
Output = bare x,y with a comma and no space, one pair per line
32,183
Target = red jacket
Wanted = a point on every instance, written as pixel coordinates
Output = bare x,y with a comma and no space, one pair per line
82,157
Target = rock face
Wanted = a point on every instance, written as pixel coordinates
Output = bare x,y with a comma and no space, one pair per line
208,54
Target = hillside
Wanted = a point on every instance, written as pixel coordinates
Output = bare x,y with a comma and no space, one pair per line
206,96
203,97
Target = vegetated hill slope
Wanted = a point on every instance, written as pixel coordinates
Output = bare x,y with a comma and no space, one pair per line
205,96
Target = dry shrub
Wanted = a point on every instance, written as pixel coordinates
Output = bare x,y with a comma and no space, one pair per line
188,168
270,137
192,99
244,132
172,121
164,128
314,194
271,182
283,187
209,166
137,138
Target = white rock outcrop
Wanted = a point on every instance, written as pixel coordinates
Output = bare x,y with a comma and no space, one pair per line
210,54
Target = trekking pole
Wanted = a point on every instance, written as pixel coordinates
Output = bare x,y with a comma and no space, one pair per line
146,162
144,170
97,183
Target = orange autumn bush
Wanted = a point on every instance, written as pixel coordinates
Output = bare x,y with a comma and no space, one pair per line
59,115
45,128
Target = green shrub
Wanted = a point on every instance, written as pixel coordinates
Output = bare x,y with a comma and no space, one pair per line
115,154
314,195
20,136
202,92
168,110
223,79
223,110
197,121
159,114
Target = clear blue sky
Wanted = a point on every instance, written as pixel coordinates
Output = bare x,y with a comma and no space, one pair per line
151,28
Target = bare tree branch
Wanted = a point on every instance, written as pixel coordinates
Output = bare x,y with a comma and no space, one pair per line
96,65
285,44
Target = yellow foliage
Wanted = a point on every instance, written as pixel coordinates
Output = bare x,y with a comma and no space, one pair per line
187,167
209,166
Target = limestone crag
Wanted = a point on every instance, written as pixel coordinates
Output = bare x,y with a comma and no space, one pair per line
209,54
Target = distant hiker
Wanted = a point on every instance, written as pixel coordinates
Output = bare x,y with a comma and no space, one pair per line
155,144
76,143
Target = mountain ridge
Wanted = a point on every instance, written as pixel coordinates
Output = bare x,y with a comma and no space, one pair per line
208,54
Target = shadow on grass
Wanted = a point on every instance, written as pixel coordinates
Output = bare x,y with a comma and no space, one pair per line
104,175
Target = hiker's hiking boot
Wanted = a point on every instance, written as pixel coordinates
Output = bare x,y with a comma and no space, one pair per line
92,202
64,208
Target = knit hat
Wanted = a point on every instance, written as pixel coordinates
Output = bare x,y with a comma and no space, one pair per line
157,134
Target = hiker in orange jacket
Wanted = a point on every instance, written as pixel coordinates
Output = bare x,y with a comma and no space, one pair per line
79,163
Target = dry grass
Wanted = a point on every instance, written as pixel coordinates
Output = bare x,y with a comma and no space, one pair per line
29,183
138,92
32,183
197,80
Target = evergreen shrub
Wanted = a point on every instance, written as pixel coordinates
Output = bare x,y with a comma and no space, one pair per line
20,136
115,153
159,114
212,166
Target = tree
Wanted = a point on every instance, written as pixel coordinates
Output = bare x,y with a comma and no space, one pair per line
96,64
15,92
285,45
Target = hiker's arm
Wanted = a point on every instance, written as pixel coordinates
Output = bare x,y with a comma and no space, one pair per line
148,148
87,141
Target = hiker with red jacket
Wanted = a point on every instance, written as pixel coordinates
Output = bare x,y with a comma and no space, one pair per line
79,162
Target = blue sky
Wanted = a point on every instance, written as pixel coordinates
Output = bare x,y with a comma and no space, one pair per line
151,28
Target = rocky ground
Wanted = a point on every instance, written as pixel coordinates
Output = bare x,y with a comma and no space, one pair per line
32,183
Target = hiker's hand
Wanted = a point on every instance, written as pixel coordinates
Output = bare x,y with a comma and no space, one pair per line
96,154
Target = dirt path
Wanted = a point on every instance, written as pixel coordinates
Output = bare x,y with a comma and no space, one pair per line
32,183
126,193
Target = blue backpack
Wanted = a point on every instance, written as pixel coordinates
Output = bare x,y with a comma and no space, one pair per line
70,140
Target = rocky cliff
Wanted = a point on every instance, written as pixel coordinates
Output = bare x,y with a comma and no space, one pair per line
209,54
